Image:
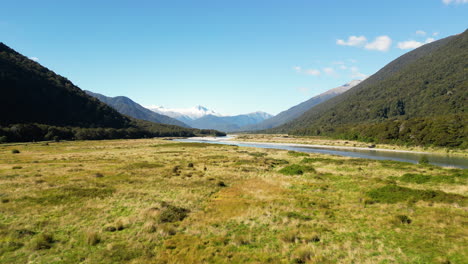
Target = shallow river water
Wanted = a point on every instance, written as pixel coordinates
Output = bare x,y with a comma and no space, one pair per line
377,154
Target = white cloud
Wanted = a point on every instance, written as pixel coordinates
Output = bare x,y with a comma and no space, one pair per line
435,34
420,33
343,67
313,72
34,58
410,44
381,43
448,2
429,40
413,44
338,63
303,90
329,71
352,60
353,41
356,74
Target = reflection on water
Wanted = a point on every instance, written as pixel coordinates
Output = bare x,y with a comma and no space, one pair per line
436,159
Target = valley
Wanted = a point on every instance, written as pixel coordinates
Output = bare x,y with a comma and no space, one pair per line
282,132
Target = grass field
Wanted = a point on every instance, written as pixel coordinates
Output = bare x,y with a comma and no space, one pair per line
157,201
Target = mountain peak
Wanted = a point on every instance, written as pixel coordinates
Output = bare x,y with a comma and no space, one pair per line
201,108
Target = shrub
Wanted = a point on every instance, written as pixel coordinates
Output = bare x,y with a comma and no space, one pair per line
296,169
43,241
172,214
15,151
221,184
403,219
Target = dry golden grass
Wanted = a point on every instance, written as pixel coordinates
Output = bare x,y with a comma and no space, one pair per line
156,201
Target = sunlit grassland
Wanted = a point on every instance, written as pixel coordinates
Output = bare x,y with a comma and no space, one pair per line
157,201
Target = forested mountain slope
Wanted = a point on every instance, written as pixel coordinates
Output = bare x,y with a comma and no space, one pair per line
127,106
297,110
37,104
419,98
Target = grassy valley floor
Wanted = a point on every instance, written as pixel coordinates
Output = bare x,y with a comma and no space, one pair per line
157,201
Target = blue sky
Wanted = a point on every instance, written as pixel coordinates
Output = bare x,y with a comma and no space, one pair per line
231,56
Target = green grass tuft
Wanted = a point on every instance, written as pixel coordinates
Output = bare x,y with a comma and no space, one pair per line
394,194
296,169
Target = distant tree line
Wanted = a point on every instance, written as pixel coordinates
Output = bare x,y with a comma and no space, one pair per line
41,132
442,131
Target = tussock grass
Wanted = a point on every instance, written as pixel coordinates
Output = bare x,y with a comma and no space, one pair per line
296,169
154,201
395,194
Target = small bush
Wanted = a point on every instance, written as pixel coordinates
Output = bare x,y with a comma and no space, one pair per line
296,169
43,241
221,184
15,151
403,219
16,167
172,214
190,165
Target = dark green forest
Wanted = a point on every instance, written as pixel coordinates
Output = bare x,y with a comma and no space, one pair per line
420,98
37,104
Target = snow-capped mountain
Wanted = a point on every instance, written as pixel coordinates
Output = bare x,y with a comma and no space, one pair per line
184,113
343,88
202,117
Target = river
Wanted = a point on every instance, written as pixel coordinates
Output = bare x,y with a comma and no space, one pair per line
367,153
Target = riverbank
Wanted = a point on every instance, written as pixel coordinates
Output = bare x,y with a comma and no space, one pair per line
328,142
